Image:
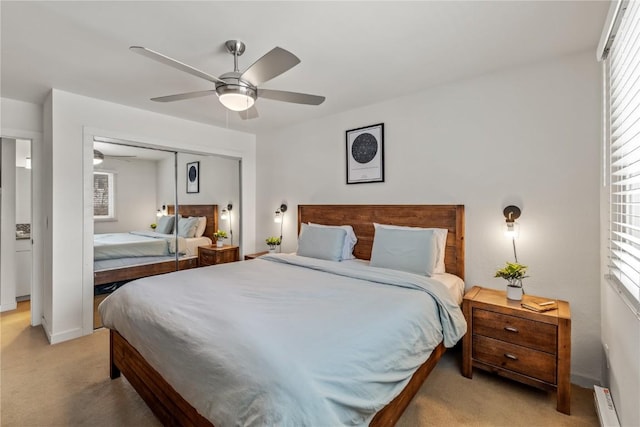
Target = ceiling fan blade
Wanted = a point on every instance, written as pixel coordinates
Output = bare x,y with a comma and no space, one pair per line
174,63
181,96
251,113
295,97
270,65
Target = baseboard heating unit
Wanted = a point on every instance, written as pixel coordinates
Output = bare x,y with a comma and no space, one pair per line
605,408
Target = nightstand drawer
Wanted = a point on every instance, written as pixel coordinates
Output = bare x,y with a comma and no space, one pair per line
207,258
515,358
515,330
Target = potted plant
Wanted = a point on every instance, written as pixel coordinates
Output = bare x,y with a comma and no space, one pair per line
272,242
513,273
219,235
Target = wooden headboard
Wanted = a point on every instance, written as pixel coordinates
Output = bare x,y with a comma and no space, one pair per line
210,211
362,217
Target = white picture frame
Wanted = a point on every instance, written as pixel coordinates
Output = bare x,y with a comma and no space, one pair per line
193,177
365,154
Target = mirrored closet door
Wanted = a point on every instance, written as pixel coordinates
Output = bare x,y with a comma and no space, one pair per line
156,211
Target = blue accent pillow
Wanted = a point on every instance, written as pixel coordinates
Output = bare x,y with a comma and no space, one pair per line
165,224
321,242
413,251
187,226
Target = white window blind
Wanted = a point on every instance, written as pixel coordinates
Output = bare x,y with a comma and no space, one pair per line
103,195
623,65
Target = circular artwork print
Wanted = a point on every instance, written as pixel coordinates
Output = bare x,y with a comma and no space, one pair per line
193,173
364,148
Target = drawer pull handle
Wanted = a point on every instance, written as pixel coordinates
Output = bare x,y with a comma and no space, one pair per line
511,329
511,356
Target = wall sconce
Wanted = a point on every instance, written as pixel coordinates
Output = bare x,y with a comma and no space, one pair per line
279,215
226,216
162,211
512,228
279,219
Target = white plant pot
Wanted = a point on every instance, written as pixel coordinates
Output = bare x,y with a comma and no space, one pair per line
219,243
514,293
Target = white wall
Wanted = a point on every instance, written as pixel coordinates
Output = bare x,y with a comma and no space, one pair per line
527,136
621,335
75,120
219,184
23,195
20,115
135,191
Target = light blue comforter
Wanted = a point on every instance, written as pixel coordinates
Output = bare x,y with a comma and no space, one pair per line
286,340
134,244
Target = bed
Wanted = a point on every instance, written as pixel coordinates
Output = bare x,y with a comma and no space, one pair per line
144,254
177,408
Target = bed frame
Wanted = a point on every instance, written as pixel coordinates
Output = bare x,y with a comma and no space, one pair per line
143,270
172,409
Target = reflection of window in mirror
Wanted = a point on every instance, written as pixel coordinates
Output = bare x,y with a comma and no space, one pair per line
103,195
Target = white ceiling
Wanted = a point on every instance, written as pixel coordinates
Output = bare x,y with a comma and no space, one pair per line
354,53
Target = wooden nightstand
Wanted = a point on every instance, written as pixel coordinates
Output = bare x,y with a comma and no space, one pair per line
211,255
513,342
254,256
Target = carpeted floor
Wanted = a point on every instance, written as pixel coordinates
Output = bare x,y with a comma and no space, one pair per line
68,384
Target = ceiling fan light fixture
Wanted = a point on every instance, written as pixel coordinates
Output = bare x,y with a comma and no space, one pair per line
236,97
98,157
236,101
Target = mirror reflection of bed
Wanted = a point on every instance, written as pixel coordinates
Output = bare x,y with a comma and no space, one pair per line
122,257
132,190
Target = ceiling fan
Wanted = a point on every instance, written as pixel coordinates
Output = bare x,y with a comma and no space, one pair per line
237,90
99,156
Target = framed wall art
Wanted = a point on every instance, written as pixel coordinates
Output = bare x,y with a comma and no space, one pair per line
365,154
193,177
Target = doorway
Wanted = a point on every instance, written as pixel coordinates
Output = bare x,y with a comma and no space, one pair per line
16,255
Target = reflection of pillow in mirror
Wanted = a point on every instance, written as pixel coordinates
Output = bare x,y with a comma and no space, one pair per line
441,242
165,224
321,242
187,226
202,224
413,251
349,242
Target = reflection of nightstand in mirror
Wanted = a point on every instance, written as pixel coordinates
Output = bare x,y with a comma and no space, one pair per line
212,255
254,256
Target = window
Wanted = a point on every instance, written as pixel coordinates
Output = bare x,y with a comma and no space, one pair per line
622,122
103,195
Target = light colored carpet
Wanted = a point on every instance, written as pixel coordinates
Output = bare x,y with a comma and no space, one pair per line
68,384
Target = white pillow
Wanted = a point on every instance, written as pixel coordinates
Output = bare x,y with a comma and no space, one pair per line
202,224
413,251
321,242
441,241
349,242
187,226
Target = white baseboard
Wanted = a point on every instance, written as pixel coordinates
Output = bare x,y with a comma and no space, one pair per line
65,336
47,329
